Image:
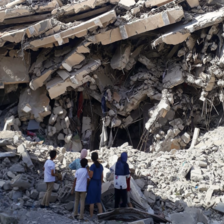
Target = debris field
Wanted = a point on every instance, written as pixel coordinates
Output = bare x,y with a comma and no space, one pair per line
142,76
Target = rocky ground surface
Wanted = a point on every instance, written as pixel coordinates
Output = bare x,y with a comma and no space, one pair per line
172,184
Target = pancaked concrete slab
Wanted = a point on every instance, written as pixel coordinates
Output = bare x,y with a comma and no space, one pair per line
139,26
58,86
178,33
78,7
75,31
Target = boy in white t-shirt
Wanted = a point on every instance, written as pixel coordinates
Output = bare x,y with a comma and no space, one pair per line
49,178
80,186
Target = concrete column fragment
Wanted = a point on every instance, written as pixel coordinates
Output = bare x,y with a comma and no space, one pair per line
126,4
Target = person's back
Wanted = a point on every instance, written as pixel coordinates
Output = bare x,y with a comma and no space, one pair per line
94,189
75,165
48,166
120,180
81,182
80,185
121,173
49,178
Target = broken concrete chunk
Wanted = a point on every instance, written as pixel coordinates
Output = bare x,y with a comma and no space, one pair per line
152,3
126,4
121,57
38,101
145,61
40,28
26,158
193,3
79,76
58,110
196,175
7,154
18,73
72,59
174,76
22,181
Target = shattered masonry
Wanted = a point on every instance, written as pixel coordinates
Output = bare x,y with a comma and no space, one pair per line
98,73
148,70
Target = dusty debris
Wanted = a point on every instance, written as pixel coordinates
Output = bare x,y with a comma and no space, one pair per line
97,74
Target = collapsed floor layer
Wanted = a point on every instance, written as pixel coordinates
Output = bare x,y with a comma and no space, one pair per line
95,73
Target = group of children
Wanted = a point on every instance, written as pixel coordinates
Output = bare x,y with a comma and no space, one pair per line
88,181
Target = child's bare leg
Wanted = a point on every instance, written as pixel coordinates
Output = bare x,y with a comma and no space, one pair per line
91,208
100,210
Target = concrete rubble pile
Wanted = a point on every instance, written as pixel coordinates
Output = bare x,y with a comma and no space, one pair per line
165,186
96,74
100,73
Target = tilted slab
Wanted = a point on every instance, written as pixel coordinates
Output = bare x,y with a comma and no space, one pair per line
139,26
77,31
178,33
75,8
58,86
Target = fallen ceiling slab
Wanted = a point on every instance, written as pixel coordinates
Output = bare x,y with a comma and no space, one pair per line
75,8
76,31
139,26
178,33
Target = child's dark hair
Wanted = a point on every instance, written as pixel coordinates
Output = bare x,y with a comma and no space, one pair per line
84,162
94,158
53,153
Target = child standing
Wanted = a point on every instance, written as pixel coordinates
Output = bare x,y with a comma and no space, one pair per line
49,178
80,186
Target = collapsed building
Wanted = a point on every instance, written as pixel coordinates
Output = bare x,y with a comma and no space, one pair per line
96,74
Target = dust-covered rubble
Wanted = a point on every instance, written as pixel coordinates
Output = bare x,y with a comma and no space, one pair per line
96,74
170,184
